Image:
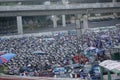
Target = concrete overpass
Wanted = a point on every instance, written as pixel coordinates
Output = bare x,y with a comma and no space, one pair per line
78,9
71,1
32,10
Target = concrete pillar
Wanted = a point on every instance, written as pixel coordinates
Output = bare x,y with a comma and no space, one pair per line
85,22
114,14
114,1
47,3
63,21
72,20
78,24
78,28
54,19
19,3
19,25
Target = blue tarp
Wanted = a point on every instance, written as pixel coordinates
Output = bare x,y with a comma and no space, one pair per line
59,70
8,56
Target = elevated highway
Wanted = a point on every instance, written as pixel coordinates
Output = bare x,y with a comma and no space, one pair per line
58,9
32,10
81,1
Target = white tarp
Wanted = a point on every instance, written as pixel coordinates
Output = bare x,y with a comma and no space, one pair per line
110,64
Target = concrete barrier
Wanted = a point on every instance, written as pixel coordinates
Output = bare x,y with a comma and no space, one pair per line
34,78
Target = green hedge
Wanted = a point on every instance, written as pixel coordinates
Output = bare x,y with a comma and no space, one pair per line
116,56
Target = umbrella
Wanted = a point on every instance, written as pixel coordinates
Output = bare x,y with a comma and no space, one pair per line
1,52
59,70
39,52
2,60
6,57
48,39
90,48
98,51
104,36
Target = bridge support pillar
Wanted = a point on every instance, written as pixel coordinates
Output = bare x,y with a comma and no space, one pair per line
63,21
85,22
114,1
115,15
78,28
65,2
54,19
19,25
